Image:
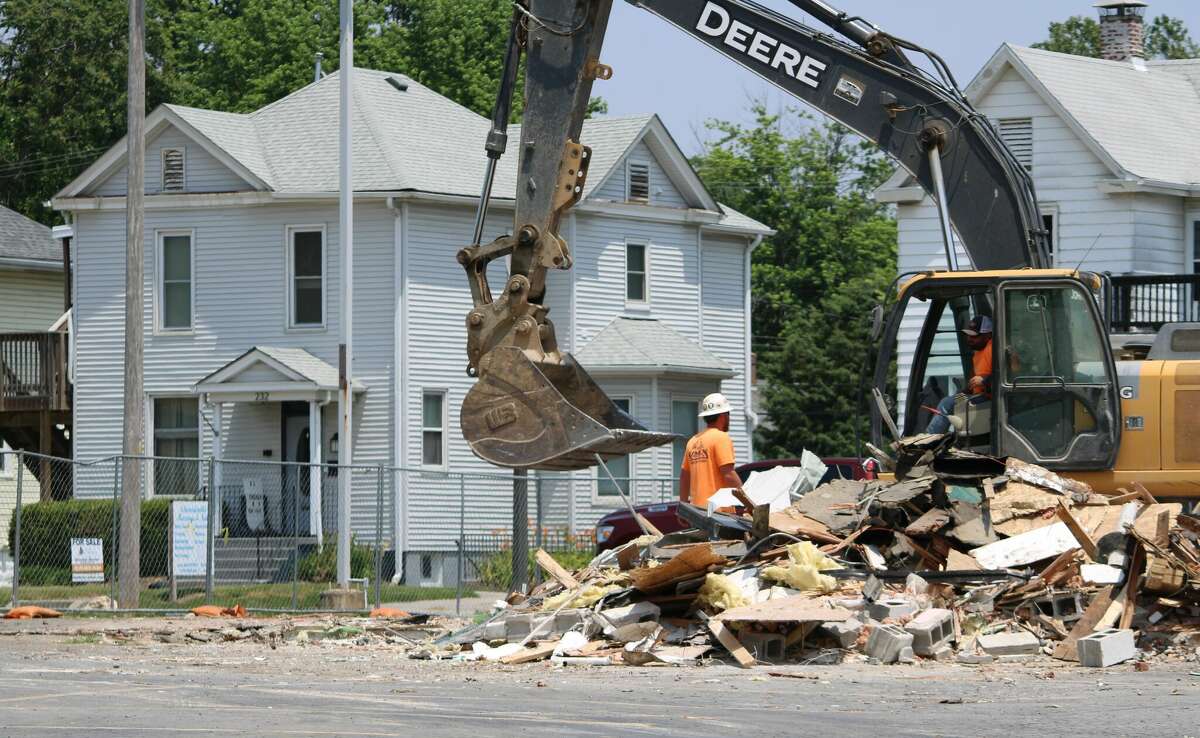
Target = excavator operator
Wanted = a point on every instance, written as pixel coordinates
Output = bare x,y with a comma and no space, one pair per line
979,340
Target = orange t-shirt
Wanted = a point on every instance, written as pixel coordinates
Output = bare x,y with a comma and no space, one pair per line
981,362
707,452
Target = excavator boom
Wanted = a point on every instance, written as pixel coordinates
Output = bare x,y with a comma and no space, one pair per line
533,406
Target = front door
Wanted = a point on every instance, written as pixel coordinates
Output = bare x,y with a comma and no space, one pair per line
295,474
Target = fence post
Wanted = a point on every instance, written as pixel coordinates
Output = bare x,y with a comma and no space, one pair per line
16,585
295,477
462,525
114,542
211,544
459,587
379,535
537,534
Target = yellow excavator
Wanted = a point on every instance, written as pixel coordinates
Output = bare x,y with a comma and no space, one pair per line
1057,396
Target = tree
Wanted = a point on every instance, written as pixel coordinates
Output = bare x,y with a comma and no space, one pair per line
813,280
1166,38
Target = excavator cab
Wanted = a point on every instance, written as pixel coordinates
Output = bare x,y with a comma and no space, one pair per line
1051,397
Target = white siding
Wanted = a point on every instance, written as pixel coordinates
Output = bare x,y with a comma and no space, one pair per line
203,173
663,192
29,301
1159,236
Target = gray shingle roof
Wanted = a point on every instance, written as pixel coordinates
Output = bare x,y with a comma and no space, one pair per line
22,238
320,372
651,345
1144,118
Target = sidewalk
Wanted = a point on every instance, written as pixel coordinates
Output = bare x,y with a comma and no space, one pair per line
481,602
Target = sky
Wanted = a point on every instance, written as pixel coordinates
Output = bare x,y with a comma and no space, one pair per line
659,69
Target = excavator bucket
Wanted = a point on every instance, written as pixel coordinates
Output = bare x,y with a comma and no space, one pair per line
548,416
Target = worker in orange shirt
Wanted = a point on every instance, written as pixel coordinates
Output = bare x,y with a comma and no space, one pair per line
708,460
979,387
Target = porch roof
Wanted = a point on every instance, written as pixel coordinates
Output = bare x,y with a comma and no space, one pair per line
273,374
647,347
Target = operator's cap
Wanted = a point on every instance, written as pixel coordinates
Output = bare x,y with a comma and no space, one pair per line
715,404
980,324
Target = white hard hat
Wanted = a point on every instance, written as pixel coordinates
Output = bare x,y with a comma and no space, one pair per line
715,404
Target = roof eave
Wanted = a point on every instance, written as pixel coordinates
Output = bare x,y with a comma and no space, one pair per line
656,370
30,265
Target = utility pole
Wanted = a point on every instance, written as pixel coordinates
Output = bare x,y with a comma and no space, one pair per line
133,436
345,348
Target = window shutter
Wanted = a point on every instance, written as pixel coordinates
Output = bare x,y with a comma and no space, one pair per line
1017,134
173,170
639,182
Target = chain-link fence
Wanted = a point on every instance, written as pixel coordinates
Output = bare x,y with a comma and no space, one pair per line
264,534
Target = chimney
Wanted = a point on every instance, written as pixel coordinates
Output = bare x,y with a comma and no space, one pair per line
1122,29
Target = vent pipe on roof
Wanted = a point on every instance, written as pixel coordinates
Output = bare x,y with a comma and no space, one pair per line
1122,29
317,73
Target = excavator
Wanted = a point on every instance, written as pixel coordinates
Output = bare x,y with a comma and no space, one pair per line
1058,396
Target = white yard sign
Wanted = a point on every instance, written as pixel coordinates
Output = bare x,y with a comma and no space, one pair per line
87,560
189,539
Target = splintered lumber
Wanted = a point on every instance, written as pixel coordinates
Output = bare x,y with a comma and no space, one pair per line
690,563
555,570
1068,650
793,522
795,609
731,644
537,653
1081,535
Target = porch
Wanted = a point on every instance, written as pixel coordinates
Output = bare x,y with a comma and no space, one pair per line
35,403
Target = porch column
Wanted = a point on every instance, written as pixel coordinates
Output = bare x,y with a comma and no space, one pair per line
314,471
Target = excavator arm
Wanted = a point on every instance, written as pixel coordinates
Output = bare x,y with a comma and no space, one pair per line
533,406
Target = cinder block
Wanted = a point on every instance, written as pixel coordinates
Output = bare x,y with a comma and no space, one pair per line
931,630
845,632
519,625
763,646
1020,643
891,607
1066,607
1106,647
889,643
635,613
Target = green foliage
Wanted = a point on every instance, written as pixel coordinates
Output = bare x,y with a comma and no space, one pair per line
321,565
1078,35
495,571
816,280
48,527
1166,38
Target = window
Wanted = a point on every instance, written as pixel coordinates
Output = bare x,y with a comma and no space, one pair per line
306,277
1048,222
174,175
175,293
635,273
618,467
8,461
684,423
1017,134
639,181
176,436
433,424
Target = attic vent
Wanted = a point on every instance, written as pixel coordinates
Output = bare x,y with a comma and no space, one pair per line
639,182
173,174
1017,134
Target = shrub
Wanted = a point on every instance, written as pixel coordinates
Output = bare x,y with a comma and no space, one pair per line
48,527
495,571
321,566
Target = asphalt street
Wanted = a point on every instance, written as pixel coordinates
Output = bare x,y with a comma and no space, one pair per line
56,685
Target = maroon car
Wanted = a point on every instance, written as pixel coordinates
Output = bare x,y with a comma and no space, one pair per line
618,527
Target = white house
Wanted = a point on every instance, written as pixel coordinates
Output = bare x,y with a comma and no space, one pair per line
241,299
1112,147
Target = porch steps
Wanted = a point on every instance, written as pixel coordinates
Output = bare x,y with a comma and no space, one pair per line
244,560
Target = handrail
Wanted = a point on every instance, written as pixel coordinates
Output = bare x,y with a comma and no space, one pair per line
33,372
1147,302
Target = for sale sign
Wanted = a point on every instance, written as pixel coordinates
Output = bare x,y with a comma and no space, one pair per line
87,560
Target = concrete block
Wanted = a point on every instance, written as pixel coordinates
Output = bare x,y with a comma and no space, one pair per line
1106,647
892,607
872,589
344,599
763,646
1020,643
635,613
889,643
914,585
931,630
845,632
1066,607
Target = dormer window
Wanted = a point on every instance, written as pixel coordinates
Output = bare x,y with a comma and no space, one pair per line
173,171
638,173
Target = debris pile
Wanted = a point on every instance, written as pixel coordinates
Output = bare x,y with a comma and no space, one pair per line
963,557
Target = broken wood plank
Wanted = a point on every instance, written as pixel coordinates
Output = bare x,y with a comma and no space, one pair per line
688,564
731,644
1145,493
1068,650
555,569
1123,498
931,522
1085,541
1162,528
537,653
958,561
1133,586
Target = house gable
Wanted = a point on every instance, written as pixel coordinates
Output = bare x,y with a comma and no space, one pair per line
672,181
